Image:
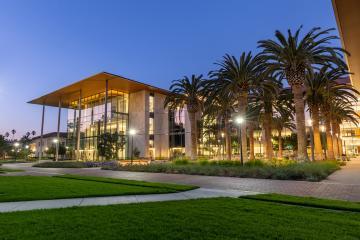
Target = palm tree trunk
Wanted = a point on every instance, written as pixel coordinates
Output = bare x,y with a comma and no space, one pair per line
268,137
329,141
251,142
193,135
335,140
339,140
227,139
242,111
316,131
300,122
280,153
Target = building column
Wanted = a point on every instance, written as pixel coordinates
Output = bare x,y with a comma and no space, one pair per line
161,127
78,129
58,132
106,101
139,121
42,132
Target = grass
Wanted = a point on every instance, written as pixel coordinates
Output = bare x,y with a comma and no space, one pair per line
25,188
307,201
218,218
281,170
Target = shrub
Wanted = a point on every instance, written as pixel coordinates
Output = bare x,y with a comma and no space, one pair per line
310,171
75,164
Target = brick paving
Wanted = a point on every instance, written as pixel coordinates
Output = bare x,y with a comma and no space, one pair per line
343,185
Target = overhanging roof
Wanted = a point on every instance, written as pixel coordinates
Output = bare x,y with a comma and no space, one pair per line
93,85
347,14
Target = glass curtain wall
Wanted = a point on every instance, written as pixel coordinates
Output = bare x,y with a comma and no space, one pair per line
177,133
92,124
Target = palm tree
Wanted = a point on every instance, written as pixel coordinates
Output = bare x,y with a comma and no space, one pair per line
13,133
267,101
281,122
342,111
238,77
33,133
321,90
7,134
186,93
292,57
220,106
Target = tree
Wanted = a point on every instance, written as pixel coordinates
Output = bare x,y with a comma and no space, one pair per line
220,106
237,77
109,144
13,133
322,92
281,122
293,57
4,146
186,92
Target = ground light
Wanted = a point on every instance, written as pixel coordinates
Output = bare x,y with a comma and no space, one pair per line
240,120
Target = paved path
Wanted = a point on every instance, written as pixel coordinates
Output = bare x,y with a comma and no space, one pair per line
338,186
101,201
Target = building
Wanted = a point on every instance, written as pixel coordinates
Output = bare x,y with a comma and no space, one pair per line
49,140
348,21
131,111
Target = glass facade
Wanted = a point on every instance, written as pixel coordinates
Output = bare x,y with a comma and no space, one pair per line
177,133
92,124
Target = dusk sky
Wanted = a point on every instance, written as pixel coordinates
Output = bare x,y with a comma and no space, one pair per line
48,44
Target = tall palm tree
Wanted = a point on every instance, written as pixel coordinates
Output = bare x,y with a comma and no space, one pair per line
13,133
33,133
335,95
186,93
318,87
238,77
292,57
281,122
7,134
220,105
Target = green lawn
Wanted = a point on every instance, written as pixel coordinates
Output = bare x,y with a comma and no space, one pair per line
307,201
220,218
23,188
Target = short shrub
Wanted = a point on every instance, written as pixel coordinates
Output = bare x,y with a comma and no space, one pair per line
255,163
75,164
181,161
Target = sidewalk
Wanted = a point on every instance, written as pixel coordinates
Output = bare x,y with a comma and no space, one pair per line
101,201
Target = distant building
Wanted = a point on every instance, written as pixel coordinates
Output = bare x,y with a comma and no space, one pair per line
48,142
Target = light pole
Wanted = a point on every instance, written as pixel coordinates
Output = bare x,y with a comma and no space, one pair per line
311,140
132,132
16,145
223,145
239,120
56,142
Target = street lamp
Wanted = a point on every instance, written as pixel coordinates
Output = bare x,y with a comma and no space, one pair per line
132,132
240,120
16,145
223,145
56,141
311,139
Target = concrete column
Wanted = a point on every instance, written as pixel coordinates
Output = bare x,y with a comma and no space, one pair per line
78,129
106,101
139,121
188,132
161,127
58,132
42,132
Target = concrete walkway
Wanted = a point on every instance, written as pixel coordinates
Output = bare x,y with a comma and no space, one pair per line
343,184
101,201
